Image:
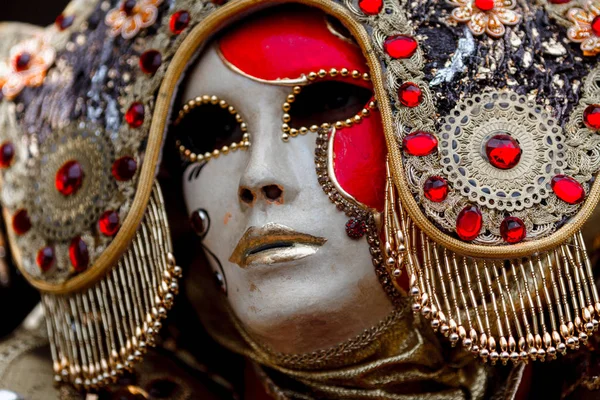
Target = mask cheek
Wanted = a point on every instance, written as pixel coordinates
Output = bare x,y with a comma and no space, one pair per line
359,155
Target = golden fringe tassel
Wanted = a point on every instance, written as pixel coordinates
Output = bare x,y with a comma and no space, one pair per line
518,310
98,333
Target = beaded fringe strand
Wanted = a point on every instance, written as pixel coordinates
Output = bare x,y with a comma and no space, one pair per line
522,309
98,333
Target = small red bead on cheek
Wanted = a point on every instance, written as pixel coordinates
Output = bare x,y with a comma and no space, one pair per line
356,228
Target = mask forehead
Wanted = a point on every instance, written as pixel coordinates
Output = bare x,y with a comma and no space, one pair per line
280,45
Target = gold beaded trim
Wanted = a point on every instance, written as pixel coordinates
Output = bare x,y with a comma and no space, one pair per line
189,155
288,131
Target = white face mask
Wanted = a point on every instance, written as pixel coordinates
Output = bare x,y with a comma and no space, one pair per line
313,286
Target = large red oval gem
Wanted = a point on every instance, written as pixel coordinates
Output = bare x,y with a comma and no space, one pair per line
503,151
591,116
150,61
124,168
567,189
435,189
410,95
400,46
469,223
419,143
512,230
179,21
370,7
484,5
79,254
109,223
22,62
7,154
559,1
20,222
62,22
45,258
69,178
135,115
596,25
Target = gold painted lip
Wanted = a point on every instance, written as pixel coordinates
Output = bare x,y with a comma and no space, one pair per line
274,243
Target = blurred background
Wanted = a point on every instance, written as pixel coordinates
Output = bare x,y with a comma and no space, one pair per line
38,12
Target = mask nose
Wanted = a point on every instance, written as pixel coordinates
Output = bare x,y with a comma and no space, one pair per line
270,193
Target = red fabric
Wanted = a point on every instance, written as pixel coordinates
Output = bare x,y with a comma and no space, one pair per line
288,44
293,42
359,161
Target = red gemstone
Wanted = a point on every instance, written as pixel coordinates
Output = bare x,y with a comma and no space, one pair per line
124,168
79,254
179,21
410,94
62,22
503,151
512,230
135,115
128,6
596,25
356,228
69,178
7,154
400,46
419,143
469,222
591,116
370,7
45,258
150,61
109,223
20,222
484,5
22,62
567,189
559,1
436,189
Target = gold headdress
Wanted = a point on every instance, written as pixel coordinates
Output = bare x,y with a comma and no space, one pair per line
493,177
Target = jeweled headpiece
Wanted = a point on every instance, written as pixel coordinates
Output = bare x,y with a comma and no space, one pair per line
491,167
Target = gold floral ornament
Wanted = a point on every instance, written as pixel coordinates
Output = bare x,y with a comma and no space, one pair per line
586,27
27,65
131,16
486,16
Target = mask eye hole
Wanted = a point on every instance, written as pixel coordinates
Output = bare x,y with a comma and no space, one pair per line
327,102
207,127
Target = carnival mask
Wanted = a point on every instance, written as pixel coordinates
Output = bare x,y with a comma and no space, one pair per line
295,268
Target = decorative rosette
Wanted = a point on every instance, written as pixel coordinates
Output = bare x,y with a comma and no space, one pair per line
26,66
500,170
131,16
486,16
585,28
